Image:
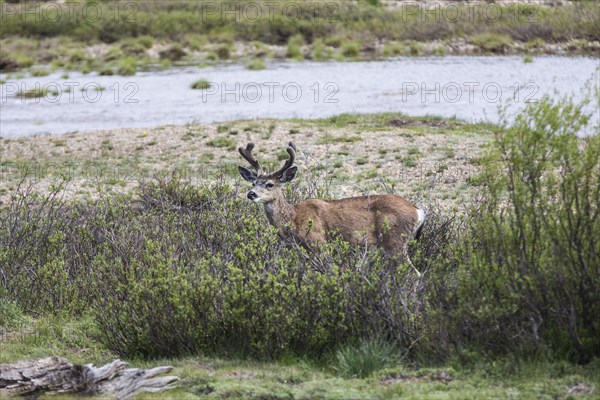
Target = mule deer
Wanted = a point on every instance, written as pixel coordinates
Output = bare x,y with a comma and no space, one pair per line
388,221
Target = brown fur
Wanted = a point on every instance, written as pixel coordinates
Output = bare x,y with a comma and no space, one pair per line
382,220
388,221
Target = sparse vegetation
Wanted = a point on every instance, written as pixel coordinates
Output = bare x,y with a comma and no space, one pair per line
294,47
222,142
351,49
35,93
492,42
256,64
201,84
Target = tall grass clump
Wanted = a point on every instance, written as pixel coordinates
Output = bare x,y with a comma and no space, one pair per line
365,358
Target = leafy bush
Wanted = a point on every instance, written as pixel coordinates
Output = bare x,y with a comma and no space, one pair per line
11,315
528,278
199,285
187,270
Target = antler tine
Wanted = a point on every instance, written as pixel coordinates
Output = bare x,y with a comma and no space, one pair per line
291,149
247,154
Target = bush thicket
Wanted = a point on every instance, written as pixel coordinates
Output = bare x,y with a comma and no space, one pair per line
183,269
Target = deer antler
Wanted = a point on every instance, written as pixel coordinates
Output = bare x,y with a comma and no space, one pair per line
291,149
247,154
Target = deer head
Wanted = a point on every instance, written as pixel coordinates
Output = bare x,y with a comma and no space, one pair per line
266,188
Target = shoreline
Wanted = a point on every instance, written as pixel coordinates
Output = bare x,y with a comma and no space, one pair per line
246,54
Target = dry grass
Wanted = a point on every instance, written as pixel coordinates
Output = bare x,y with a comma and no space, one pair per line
426,160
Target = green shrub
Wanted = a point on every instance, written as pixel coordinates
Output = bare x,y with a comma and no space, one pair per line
351,49
523,280
201,84
106,70
25,62
146,41
492,42
11,316
173,53
33,93
394,49
114,54
39,72
256,64
133,47
294,47
127,67
224,52
318,50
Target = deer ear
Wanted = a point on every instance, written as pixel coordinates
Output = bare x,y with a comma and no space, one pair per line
288,174
247,174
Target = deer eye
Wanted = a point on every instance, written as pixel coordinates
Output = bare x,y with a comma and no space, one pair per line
270,186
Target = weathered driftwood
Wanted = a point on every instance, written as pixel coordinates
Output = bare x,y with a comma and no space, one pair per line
58,375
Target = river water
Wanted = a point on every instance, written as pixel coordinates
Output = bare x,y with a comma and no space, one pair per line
470,88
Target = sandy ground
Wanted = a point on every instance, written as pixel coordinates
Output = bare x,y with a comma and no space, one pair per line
429,162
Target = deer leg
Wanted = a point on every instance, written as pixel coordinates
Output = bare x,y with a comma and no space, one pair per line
405,255
398,246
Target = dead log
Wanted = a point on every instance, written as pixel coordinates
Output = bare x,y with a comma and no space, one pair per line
58,375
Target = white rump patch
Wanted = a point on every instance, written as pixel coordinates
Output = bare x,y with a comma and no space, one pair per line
420,221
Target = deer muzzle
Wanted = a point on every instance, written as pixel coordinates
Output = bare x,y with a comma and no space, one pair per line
252,196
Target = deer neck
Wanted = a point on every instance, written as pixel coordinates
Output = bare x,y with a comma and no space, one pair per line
280,213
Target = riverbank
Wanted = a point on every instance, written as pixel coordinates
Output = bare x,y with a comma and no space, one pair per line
137,36
429,160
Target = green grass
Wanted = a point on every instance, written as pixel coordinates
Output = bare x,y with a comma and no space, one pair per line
328,139
222,142
39,72
292,378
